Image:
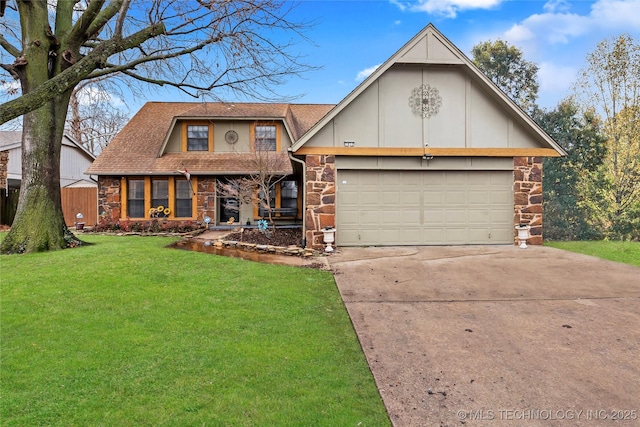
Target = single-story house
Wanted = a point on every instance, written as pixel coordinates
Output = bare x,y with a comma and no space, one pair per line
425,151
79,190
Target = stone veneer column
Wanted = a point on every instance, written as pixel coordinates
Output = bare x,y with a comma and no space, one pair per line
320,210
109,203
206,193
527,194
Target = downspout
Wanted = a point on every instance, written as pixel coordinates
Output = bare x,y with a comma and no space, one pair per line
304,196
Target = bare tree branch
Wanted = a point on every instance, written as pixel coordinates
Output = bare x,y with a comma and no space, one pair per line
11,49
122,14
72,75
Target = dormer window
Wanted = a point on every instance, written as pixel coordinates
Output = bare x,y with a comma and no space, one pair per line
197,136
266,138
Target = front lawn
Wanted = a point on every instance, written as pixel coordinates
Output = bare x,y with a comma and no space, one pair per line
127,332
625,252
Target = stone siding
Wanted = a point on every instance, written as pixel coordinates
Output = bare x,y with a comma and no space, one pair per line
206,193
527,194
320,190
109,204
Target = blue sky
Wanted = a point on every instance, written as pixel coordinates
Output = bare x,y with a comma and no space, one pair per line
354,36
351,37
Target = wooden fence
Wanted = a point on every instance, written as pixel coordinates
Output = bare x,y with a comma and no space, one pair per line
80,200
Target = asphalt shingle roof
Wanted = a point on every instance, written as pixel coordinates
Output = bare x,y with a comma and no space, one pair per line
136,148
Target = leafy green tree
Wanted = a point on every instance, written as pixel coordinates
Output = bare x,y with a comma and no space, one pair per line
610,85
241,48
567,181
506,67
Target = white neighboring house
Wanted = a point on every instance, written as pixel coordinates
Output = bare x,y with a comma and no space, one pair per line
74,161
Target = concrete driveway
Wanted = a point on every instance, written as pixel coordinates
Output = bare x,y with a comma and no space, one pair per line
496,335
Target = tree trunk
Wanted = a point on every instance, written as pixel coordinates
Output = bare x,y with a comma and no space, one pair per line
39,222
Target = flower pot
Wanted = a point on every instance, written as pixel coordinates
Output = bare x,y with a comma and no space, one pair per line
523,235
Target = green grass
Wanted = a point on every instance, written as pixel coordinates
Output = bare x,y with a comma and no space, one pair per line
127,332
625,252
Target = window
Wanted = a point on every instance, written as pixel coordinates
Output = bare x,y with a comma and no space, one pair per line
283,199
197,137
173,193
289,198
160,193
263,211
266,138
135,199
183,199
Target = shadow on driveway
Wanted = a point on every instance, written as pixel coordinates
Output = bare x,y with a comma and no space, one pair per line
496,335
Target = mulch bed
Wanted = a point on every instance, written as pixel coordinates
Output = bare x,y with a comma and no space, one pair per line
278,237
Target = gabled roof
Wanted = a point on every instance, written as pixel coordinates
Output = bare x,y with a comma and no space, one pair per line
137,148
13,139
430,47
10,139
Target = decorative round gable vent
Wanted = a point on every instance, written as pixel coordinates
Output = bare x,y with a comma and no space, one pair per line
425,101
231,136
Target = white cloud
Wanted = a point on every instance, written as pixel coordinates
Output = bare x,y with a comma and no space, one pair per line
555,83
616,14
554,78
558,25
445,8
399,4
553,6
366,73
551,27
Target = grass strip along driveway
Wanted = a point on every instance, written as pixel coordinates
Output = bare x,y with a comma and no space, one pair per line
127,332
625,252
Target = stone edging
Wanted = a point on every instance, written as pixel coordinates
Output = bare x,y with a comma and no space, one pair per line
254,247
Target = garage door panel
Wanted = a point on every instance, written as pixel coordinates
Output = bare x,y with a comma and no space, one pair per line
456,216
409,197
390,198
424,207
456,236
369,218
409,217
455,197
479,234
502,217
434,235
369,198
456,178
349,217
434,217
410,235
479,217
369,237
390,217
501,235
477,197
433,198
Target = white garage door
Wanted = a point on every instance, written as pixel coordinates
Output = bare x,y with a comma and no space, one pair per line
424,208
